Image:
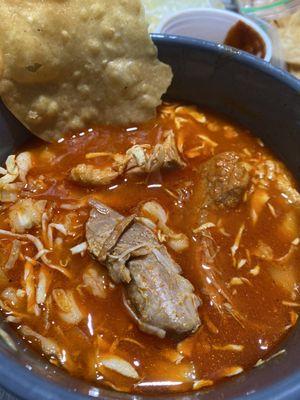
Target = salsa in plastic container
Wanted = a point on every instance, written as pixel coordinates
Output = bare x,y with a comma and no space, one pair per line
159,11
220,26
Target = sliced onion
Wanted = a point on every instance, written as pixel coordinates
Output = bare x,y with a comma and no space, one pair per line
70,311
232,371
59,227
203,227
236,244
258,200
25,214
29,280
95,282
119,365
179,244
199,384
11,165
155,210
70,207
44,281
209,141
14,255
7,339
38,244
24,163
79,248
41,253
8,194
49,346
230,347
11,172
10,294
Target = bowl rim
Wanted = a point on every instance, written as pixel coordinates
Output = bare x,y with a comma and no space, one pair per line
19,380
240,55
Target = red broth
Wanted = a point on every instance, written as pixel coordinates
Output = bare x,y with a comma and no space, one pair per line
264,289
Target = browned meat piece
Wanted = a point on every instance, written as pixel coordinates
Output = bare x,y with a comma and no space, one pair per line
137,160
284,184
223,181
156,295
87,174
90,175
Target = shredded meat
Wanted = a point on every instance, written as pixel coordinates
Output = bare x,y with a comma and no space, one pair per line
156,295
137,160
283,269
285,186
269,171
163,155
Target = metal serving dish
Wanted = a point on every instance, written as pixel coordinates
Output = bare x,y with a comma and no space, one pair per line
250,91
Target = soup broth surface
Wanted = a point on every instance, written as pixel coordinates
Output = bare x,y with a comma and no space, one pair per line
75,314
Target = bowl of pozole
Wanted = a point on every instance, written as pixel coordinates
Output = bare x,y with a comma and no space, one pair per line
156,255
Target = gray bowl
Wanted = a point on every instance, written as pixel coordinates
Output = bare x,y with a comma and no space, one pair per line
251,92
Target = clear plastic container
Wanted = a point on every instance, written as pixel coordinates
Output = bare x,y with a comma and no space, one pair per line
277,50
212,24
160,11
268,9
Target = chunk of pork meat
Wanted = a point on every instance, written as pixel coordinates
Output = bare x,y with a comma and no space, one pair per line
137,160
91,175
159,298
223,181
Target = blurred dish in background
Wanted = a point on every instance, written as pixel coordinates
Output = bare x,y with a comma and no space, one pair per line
158,10
289,32
220,26
268,9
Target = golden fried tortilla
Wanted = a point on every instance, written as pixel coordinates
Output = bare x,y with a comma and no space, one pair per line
289,32
295,71
71,64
